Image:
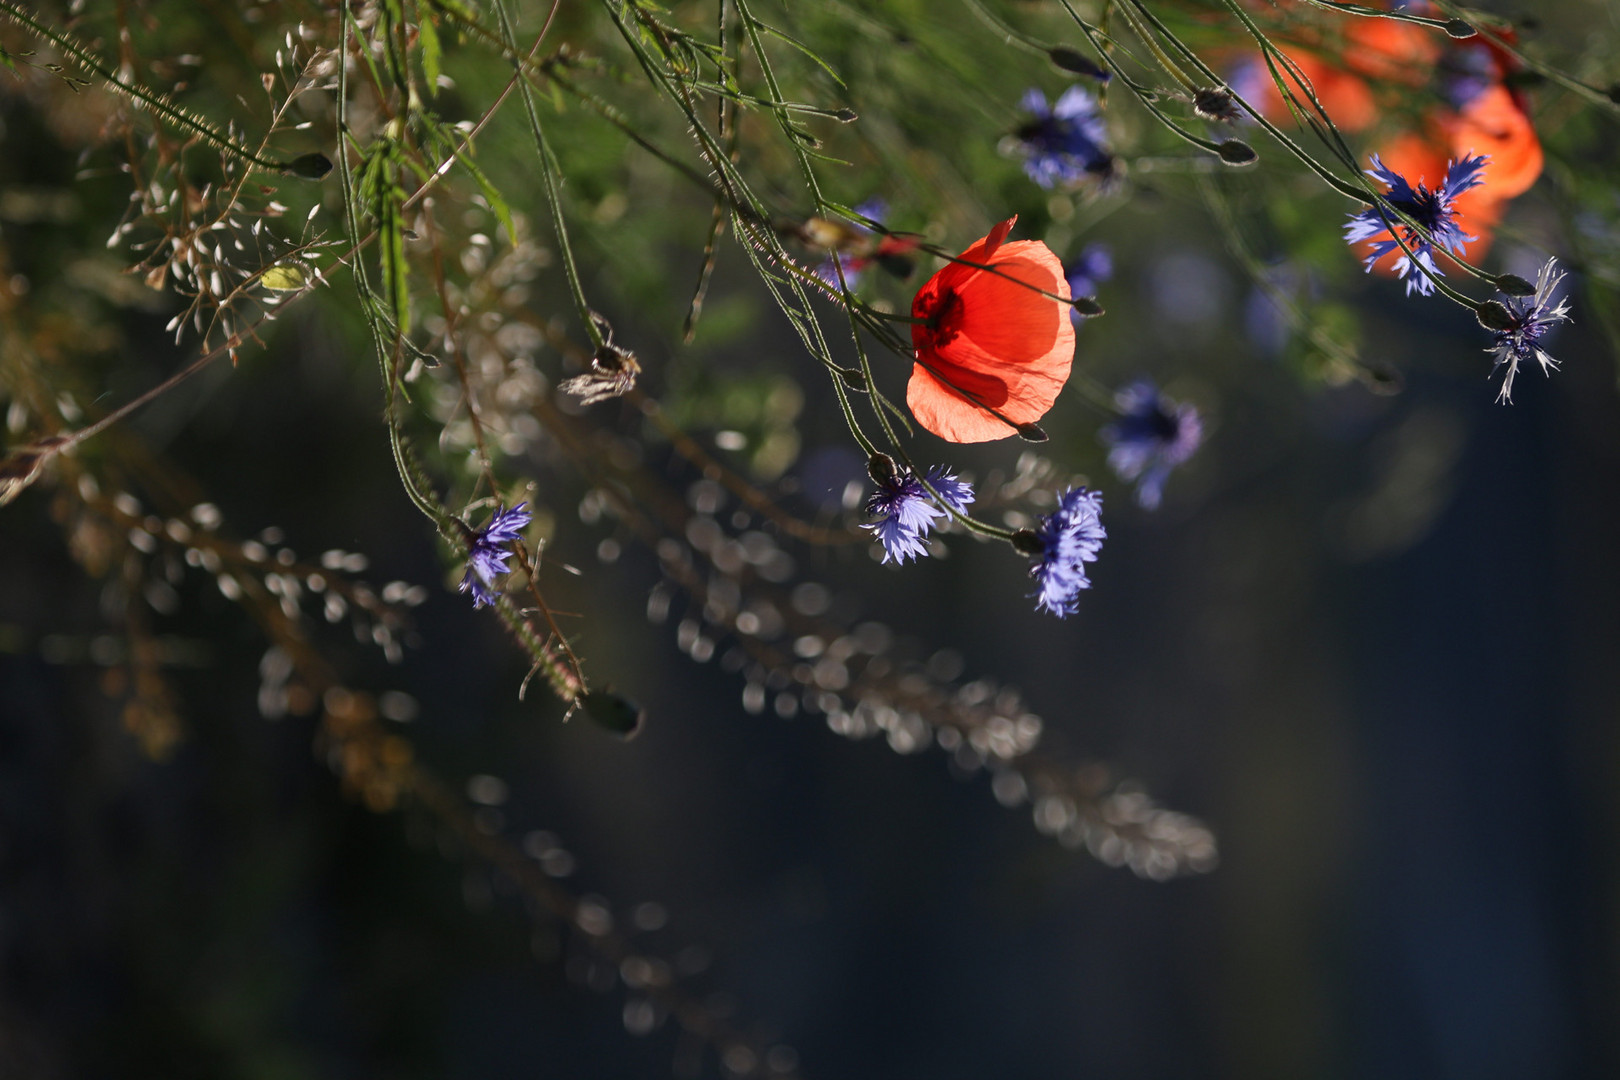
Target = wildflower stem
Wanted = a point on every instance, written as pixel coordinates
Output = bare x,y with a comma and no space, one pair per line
751,27
1147,38
983,528
550,171
1480,22
1380,13
1221,207
1363,192
1009,35
1144,94
158,104
430,507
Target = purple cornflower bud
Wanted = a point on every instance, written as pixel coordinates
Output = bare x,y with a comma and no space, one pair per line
1066,142
1093,266
1529,317
1433,210
1064,541
1466,72
1152,436
906,512
487,554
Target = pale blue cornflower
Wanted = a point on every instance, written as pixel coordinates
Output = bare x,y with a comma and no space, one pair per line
1529,317
1152,436
1066,142
906,512
487,554
1062,543
1434,210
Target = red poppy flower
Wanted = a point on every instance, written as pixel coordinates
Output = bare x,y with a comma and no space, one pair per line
992,351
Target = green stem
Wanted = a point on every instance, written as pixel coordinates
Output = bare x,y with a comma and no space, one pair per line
550,172
783,117
156,103
1585,90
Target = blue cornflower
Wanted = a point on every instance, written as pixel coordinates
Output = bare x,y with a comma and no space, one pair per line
1091,268
1064,143
1064,541
487,554
1431,209
906,512
1152,436
1530,317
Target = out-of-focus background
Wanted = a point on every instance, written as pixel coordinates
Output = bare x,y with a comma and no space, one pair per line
1370,639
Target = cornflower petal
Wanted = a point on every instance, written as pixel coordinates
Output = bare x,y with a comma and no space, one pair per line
1434,210
1530,318
1066,142
487,554
1151,437
906,512
1069,537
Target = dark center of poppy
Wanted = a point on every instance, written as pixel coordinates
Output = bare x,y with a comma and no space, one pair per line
942,314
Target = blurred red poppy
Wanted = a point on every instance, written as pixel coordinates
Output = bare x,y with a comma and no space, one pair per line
1390,49
1494,123
992,351
1346,97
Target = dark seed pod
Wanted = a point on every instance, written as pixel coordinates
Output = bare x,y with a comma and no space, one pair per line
898,265
854,379
1031,433
881,468
309,166
611,712
1514,285
1237,152
1086,306
1493,315
1460,30
1070,60
1027,543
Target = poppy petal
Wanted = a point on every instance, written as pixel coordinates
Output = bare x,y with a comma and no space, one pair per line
1002,355
1494,124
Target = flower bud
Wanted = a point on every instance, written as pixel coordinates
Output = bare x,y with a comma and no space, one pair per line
1070,60
1237,152
1493,315
881,468
1460,30
1514,285
1031,433
1027,543
309,166
1214,103
611,712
